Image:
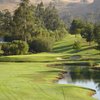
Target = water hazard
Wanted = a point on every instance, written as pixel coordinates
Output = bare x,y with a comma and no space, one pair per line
82,76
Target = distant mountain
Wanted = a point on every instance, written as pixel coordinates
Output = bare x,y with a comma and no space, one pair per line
96,10
68,9
96,4
47,1
12,4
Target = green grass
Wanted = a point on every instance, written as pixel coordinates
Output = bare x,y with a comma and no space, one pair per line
28,77
41,57
34,81
66,46
87,52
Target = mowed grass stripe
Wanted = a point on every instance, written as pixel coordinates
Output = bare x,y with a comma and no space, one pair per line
33,80
7,93
19,83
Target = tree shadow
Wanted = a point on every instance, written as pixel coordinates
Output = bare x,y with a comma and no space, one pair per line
62,48
84,49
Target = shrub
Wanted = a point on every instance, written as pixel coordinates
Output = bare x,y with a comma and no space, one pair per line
77,45
41,45
16,47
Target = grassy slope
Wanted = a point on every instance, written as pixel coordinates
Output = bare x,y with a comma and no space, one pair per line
32,80
65,46
87,53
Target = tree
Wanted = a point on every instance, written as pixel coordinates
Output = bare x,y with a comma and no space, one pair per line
38,26
40,11
41,45
1,22
76,26
23,21
88,32
51,18
5,22
97,34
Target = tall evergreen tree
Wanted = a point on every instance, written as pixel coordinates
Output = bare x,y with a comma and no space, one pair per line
5,22
23,21
40,11
1,22
51,18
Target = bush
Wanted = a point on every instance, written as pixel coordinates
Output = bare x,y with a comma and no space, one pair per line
77,45
60,34
41,45
16,47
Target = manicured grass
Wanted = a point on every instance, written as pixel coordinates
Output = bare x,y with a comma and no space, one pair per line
27,77
66,46
41,57
87,52
33,81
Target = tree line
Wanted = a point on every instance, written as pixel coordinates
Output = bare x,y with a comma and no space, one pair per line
89,31
39,26
35,28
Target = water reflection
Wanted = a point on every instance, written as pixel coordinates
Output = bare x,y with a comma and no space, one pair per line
83,76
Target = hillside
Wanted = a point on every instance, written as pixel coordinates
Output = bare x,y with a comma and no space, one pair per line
73,1
68,9
96,5
66,46
11,4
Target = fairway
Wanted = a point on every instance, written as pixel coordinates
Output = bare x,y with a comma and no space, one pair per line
31,77
65,46
35,81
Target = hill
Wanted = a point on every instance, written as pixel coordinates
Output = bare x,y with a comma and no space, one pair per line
11,4
68,9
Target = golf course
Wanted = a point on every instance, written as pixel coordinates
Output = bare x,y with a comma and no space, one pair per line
35,76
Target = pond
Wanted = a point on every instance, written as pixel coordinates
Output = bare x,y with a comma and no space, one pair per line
82,76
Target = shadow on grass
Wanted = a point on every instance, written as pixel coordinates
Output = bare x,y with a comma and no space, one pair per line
62,49
88,48
51,71
70,50
84,49
63,42
31,61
